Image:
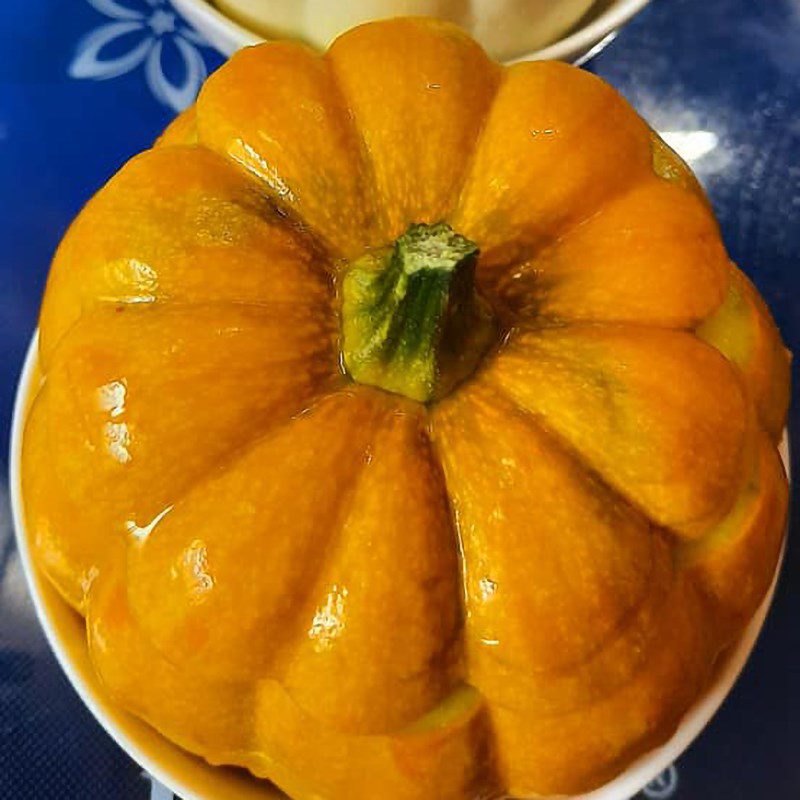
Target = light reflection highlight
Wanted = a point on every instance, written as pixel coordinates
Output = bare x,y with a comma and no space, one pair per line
252,161
117,438
691,146
328,621
111,397
142,533
196,570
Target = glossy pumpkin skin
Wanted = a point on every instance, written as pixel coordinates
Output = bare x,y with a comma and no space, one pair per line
515,589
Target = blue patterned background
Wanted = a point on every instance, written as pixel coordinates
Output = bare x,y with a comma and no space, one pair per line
84,84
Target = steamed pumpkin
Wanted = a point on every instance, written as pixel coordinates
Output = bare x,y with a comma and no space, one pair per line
405,430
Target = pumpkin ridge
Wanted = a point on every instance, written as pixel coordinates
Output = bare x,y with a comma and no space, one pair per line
435,461
441,35
287,218
245,196
334,404
752,482
182,129
455,643
193,740
80,605
290,220
538,420
327,377
237,453
654,529
740,393
527,251
283,194
742,292
365,165
495,278
510,253
494,269
436,662
469,161
327,338
333,538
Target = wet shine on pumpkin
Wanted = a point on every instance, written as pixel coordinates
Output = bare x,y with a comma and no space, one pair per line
404,430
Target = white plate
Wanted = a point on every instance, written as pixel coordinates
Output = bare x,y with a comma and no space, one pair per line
192,778
594,32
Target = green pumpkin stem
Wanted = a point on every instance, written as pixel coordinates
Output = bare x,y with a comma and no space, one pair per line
412,322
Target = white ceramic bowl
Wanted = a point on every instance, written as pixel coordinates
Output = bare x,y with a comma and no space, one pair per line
193,779
592,33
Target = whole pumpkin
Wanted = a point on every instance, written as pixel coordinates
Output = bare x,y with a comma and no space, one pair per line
404,430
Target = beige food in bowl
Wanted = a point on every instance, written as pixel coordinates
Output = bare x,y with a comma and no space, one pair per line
506,28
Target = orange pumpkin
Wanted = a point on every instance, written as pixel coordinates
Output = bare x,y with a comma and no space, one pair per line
404,429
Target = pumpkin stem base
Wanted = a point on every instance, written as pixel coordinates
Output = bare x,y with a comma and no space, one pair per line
412,322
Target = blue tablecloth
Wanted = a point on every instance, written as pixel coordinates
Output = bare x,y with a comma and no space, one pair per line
84,84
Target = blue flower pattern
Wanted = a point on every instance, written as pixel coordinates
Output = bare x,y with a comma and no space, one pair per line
664,786
152,26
